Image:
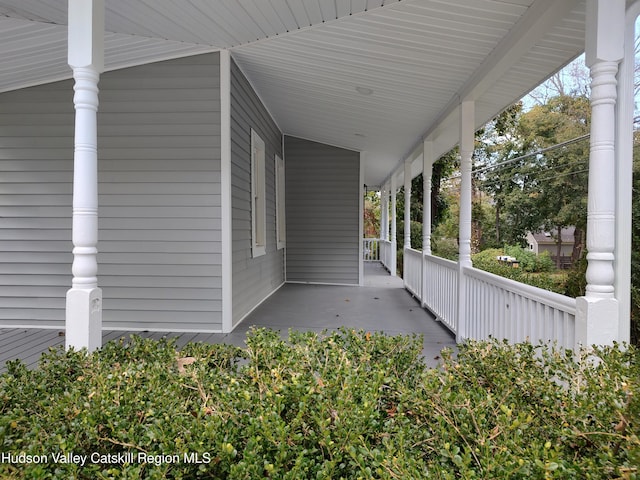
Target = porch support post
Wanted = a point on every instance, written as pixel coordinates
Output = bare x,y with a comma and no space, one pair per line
427,173
394,243
624,176
467,138
387,201
597,312
407,218
407,204
85,56
382,213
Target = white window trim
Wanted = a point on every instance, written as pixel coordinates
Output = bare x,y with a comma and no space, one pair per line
280,204
258,197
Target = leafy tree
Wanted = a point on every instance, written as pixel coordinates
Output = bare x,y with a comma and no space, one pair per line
507,176
561,174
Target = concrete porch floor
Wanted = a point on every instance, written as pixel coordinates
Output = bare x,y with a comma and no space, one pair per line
381,305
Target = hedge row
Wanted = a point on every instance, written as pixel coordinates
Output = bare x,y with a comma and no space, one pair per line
339,405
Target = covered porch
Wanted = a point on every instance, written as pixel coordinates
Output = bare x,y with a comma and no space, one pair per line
205,197
382,304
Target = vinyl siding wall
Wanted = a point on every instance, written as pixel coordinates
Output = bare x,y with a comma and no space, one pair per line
322,211
159,198
254,279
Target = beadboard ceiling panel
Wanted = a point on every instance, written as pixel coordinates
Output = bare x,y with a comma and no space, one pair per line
368,75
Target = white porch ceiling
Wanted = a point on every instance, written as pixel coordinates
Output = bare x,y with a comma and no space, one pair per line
307,59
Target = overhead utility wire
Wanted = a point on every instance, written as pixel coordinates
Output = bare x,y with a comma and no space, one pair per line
526,155
537,152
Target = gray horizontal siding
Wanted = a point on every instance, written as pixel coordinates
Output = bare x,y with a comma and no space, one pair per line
322,210
159,197
253,278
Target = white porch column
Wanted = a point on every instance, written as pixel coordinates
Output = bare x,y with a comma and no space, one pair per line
85,57
381,213
624,176
597,311
427,174
467,138
407,204
394,242
386,212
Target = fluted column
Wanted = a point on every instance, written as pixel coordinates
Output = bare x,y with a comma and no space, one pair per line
597,311
85,57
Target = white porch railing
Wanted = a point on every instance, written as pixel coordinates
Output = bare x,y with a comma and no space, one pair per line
495,306
385,253
441,290
371,249
412,271
503,308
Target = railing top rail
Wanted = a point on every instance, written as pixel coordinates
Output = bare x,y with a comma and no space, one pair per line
413,250
555,300
442,261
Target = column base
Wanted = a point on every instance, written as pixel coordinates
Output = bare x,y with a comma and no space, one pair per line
596,321
84,319
393,268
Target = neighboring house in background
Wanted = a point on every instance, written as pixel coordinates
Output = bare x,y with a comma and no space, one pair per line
543,241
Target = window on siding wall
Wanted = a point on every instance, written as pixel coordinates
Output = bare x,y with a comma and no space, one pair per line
258,190
280,222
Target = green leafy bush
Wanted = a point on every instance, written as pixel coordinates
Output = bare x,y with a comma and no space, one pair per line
529,261
339,405
445,248
535,271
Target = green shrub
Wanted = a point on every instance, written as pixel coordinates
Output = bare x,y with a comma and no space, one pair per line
529,261
445,248
338,405
535,271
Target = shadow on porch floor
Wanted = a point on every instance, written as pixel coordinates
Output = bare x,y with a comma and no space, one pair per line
381,305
